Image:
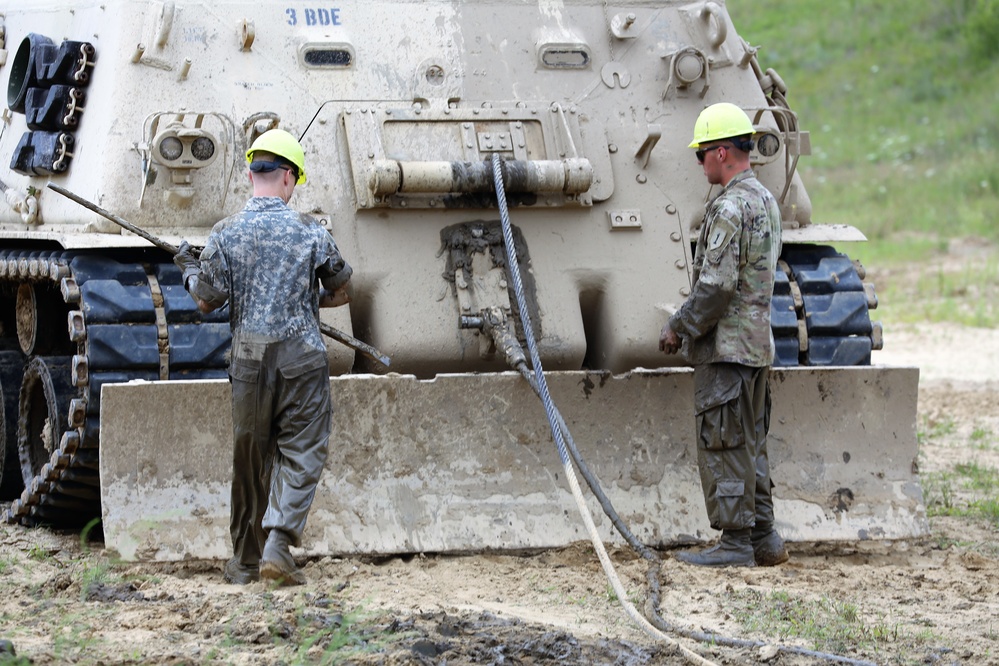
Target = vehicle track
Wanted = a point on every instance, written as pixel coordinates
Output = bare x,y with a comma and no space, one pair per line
72,322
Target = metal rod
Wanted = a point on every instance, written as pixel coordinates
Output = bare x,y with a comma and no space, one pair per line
354,343
124,224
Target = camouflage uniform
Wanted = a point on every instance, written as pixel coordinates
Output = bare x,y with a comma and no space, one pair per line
725,327
266,260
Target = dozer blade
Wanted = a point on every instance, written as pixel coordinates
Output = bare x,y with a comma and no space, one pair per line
466,462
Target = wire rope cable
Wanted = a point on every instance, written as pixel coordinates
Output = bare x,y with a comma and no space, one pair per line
513,268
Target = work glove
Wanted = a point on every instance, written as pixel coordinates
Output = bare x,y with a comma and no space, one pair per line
187,261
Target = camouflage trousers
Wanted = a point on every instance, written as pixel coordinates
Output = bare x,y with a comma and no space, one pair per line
732,404
282,418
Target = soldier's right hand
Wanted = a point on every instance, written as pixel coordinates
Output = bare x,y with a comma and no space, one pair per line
185,256
187,261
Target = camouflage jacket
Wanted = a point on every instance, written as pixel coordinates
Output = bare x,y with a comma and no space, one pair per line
269,260
726,319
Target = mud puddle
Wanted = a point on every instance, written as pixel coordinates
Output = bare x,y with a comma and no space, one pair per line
484,638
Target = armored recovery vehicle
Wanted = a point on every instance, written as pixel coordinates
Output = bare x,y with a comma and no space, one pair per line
147,107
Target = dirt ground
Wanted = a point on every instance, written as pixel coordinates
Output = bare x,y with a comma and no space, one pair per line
933,600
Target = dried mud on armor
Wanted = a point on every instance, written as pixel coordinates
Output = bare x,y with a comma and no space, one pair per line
932,600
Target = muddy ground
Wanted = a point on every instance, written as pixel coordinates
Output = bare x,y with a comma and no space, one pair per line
932,600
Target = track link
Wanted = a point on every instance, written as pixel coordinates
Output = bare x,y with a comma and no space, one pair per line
820,313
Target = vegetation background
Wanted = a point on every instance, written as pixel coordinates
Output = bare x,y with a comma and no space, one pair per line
902,101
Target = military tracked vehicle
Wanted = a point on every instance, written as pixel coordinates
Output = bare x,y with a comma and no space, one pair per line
146,108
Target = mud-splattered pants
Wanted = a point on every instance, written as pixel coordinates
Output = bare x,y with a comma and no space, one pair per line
732,404
282,417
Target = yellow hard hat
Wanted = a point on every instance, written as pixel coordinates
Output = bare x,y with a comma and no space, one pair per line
721,121
282,144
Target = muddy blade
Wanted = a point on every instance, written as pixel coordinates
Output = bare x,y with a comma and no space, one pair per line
466,462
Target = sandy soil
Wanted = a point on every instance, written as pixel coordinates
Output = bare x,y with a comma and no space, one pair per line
931,600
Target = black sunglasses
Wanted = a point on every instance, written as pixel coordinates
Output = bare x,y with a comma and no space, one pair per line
701,152
266,167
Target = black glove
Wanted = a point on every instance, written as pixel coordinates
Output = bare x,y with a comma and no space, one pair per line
187,261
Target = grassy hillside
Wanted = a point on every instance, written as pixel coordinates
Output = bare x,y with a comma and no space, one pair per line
902,101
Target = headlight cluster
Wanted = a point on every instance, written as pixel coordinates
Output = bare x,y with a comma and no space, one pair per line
180,147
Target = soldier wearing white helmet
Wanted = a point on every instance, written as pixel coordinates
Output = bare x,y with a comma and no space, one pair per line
275,268
724,329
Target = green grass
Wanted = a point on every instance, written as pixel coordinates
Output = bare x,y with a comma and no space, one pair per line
970,490
982,438
93,576
826,624
338,638
39,553
930,429
900,99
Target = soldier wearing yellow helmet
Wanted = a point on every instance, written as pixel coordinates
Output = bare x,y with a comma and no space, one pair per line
724,329
277,149
274,268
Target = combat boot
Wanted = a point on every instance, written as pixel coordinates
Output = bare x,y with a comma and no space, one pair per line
768,546
277,563
734,549
237,573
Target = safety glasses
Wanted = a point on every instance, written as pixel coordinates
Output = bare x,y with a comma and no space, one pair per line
701,152
263,166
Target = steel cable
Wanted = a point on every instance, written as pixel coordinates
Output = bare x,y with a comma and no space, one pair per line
513,268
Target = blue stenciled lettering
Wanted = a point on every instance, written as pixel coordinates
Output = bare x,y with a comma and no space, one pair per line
328,16
316,16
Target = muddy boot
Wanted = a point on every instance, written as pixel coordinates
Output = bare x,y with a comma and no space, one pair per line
240,574
733,550
768,547
277,564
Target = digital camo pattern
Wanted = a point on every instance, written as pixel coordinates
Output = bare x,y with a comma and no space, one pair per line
268,258
727,316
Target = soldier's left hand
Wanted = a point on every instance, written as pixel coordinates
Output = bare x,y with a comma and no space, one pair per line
669,341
